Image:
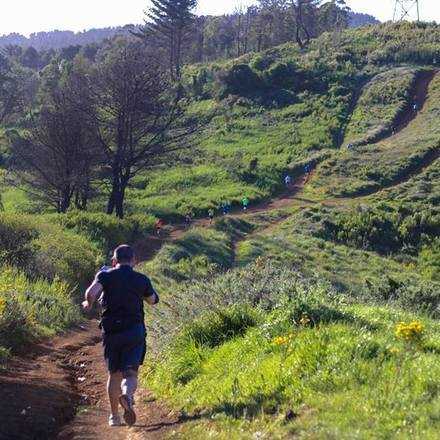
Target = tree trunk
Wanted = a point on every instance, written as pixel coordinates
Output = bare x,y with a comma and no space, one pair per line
66,197
111,204
178,54
120,199
116,200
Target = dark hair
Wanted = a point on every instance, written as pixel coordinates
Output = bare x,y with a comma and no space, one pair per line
123,254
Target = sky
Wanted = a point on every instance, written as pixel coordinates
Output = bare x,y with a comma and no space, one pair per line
27,16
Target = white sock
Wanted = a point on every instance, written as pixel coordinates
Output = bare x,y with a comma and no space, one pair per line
129,386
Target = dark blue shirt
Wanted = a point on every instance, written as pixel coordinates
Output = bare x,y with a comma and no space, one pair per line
124,294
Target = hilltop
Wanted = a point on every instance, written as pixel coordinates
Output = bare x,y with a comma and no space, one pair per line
59,39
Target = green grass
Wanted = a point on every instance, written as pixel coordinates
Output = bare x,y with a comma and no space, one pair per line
368,168
31,309
383,99
342,371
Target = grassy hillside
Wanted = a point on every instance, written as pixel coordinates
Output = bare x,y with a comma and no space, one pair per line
314,317
319,319
282,355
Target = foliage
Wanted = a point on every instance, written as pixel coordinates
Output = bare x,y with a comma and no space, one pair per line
31,309
281,374
384,99
383,228
106,231
44,250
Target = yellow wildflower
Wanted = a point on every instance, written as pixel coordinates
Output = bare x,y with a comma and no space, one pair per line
282,340
409,331
2,305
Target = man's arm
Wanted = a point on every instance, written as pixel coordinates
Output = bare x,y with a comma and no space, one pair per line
151,295
92,294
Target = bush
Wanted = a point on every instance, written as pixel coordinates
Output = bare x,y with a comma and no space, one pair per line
382,228
108,231
65,255
409,293
282,75
44,250
239,80
16,236
31,309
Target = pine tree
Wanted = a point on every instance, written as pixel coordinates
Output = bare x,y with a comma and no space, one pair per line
168,22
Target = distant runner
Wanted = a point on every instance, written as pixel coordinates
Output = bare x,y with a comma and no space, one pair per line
211,214
224,208
308,170
245,203
159,225
288,181
228,206
188,218
122,291
415,107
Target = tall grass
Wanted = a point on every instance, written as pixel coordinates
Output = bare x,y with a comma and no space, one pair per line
293,361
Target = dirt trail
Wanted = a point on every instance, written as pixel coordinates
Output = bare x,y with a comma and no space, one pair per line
419,95
57,390
147,249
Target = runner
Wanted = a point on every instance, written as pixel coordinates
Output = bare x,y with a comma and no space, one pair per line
228,207
307,170
159,225
123,329
288,181
211,214
415,107
224,208
188,219
245,203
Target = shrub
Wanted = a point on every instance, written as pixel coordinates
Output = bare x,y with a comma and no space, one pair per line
239,80
30,309
382,228
65,255
16,235
44,250
282,75
108,231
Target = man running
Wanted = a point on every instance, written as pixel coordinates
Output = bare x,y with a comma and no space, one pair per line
245,203
188,218
224,208
159,225
123,291
288,181
211,215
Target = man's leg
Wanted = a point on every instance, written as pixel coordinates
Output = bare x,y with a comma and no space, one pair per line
114,391
128,388
129,382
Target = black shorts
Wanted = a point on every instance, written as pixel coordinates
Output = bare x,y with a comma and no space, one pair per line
125,350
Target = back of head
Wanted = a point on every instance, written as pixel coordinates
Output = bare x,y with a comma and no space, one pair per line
124,254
